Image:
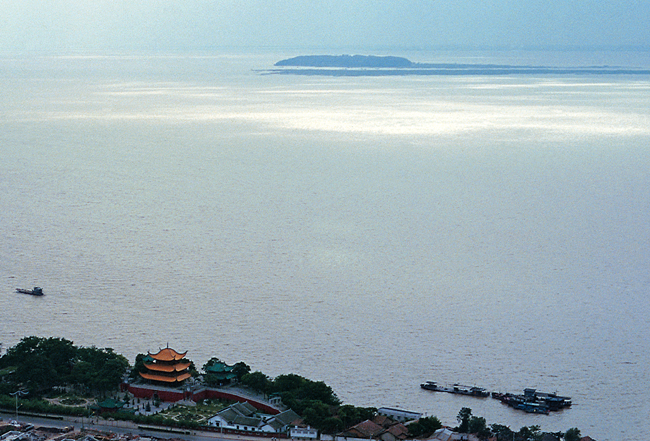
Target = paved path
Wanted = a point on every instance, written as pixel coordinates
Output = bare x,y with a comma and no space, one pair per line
123,427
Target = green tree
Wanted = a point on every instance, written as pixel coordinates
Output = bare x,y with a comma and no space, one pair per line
463,418
240,369
111,373
349,415
37,373
289,399
100,370
257,381
41,363
532,433
192,368
424,426
573,434
82,373
138,367
315,413
366,413
478,426
288,382
332,425
318,390
61,353
503,433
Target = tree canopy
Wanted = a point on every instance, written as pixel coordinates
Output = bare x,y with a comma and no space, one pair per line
463,417
257,381
44,363
424,426
314,400
573,434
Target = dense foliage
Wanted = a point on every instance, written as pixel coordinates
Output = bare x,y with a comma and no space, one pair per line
40,364
294,389
138,366
315,401
257,381
478,426
351,415
573,434
424,426
463,418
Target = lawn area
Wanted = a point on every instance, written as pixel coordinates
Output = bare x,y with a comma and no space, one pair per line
200,413
8,370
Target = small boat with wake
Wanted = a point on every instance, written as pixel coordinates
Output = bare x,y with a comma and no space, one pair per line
37,291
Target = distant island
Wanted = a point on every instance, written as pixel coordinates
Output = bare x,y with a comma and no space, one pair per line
346,61
372,65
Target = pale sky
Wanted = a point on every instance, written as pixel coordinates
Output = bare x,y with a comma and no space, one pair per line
86,25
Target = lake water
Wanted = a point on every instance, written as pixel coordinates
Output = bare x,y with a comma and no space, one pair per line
372,233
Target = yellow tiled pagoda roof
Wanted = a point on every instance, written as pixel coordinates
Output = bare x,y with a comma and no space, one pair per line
178,367
167,354
177,378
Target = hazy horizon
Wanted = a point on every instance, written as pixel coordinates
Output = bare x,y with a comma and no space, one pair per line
73,25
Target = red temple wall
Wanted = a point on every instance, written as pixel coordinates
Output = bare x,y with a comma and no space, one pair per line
211,393
174,396
164,395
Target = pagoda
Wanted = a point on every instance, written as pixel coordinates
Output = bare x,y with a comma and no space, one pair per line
166,367
221,372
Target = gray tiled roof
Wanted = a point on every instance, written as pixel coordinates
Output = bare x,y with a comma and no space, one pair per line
242,414
277,425
228,414
287,417
247,421
244,408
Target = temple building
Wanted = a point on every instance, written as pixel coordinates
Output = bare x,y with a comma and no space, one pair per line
220,373
244,416
166,367
109,405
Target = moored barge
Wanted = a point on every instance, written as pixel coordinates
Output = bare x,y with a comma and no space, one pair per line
534,402
459,389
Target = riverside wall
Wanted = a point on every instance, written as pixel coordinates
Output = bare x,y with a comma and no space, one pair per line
172,395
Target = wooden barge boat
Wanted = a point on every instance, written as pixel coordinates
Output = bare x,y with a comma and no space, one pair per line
37,291
534,402
531,401
459,389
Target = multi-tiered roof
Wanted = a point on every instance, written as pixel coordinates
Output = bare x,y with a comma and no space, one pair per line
167,366
221,371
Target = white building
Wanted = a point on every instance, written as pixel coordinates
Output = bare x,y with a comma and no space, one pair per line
399,414
446,434
303,433
243,416
240,416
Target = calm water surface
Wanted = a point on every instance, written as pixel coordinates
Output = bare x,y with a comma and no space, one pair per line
373,233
